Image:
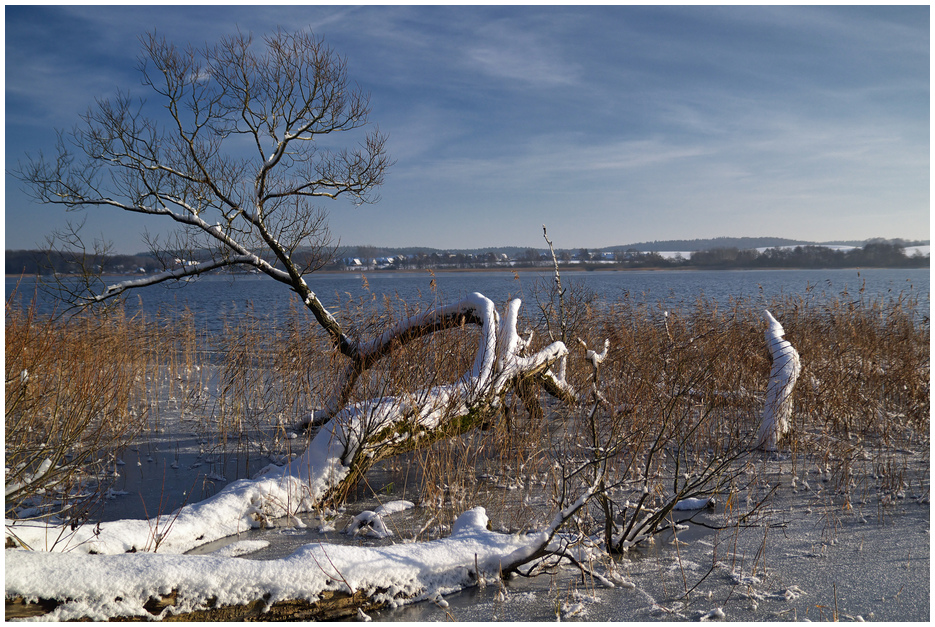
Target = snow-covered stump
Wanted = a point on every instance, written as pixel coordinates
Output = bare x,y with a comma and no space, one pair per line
777,412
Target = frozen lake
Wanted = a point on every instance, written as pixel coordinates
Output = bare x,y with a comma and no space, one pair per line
805,557
215,297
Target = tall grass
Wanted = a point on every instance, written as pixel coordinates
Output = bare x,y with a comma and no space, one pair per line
683,396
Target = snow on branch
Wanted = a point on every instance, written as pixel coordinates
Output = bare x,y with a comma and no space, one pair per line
594,357
498,356
182,272
777,413
497,365
537,544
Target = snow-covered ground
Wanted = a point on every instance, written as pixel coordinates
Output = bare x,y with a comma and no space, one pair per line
675,254
813,560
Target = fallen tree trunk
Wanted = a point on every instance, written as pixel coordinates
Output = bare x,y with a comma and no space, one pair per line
343,449
364,433
333,605
317,581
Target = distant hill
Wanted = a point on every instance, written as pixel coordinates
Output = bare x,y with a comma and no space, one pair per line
742,243
716,252
683,245
389,251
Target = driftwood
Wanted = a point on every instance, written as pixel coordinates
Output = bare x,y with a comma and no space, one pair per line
332,605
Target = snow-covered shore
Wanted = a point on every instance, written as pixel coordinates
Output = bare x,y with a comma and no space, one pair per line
131,567
804,557
103,586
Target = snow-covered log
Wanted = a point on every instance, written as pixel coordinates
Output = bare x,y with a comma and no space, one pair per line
344,448
363,433
98,587
777,412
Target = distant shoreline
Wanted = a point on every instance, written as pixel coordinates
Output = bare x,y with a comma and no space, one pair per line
524,269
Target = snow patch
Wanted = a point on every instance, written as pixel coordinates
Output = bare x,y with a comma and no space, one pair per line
690,504
715,614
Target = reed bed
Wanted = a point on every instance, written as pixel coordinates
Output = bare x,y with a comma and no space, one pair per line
73,394
672,410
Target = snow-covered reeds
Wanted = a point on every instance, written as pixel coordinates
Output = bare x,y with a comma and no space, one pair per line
268,374
684,388
866,362
672,414
699,368
683,391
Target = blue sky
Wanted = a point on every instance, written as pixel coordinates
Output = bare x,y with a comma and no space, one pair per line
609,124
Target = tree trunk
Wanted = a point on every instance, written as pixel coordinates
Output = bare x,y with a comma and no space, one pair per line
333,605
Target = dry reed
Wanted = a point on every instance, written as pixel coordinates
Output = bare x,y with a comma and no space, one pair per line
682,390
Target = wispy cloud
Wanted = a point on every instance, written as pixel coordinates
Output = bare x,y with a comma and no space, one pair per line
506,50
661,117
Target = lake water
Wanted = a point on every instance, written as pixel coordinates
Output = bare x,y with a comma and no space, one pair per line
213,298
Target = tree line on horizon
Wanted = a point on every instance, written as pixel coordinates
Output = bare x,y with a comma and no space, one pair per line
875,254
872,255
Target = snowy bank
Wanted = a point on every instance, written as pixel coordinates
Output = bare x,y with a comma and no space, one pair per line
99,587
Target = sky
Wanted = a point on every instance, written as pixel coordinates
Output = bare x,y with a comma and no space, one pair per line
608,124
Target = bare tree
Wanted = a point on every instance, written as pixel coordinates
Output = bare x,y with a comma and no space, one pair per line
236,162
